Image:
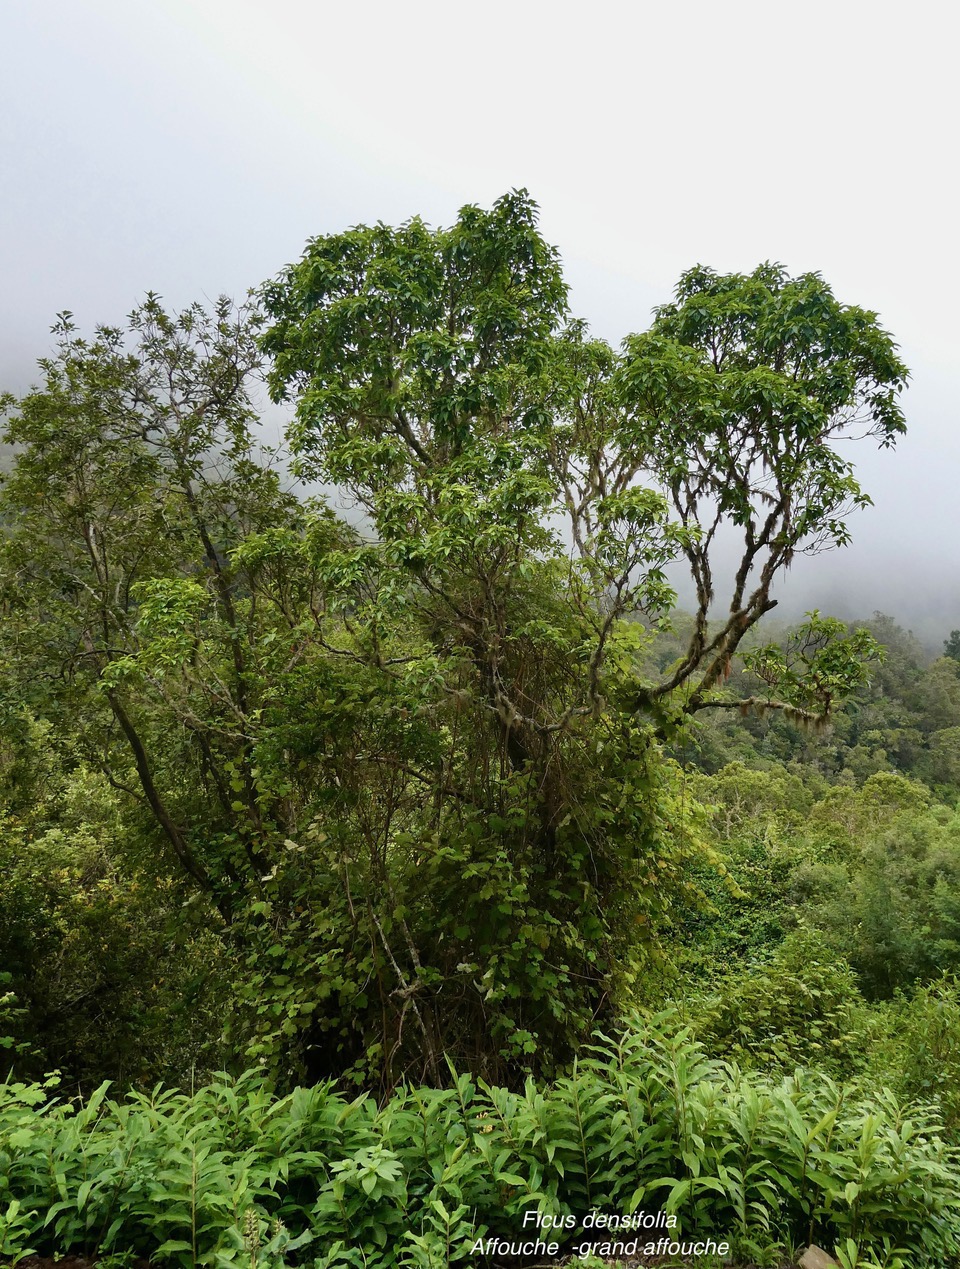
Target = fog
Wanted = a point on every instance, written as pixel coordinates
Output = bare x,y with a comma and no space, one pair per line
191,147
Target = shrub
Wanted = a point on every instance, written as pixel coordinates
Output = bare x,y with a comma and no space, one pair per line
917,1048
796,1009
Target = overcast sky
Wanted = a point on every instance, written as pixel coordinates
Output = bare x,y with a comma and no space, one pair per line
192,146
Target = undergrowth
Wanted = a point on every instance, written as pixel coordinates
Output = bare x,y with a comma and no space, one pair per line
234,1175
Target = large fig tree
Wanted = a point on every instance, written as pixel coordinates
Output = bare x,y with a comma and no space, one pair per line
410,753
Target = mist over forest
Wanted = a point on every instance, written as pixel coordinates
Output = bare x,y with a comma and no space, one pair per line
479,637
901,560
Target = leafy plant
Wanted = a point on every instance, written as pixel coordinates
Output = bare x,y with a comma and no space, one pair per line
233,1175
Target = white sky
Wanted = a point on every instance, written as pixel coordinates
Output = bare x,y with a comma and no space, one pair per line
192,146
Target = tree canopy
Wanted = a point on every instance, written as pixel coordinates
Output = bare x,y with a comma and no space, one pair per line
439,371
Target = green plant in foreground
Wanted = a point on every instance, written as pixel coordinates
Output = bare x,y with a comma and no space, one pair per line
236,1176
15,1229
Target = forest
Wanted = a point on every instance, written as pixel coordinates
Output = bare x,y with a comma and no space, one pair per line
426,821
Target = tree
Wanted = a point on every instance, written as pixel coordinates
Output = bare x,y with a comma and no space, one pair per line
440,383
417,763
135,478
440,367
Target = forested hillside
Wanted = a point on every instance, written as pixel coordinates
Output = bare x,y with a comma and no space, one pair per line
355,828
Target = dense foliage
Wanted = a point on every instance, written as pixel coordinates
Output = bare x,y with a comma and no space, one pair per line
649,1122
433,775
